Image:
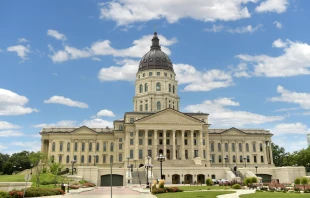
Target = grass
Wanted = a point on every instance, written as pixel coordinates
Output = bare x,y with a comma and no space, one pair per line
208,194
12,178
192,188
274,195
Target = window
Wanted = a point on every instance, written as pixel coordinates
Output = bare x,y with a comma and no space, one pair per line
141,89
120,127
146,107
168,134
186,154
120,147
82,159
53,158
247,147
248,159
169,88
149,152
146,87
240,147
185,142
89,159
131,154
111,158
173,89
131,141
97,158
212,158
254,147
150,73
97,146
262,159
90,146
241,158
67,159
104,146
83,146
53,146
195,135
120,157
212,147
167,142
195,142
140,154
140,142
204,142
160,141
170,75
219,147
68,147
261,147
75,158
185,134
60,146
226,147
160,134
158,106
234,159
140,134
141,107
143,74
165,74
158,86
111,146
204,154
255,161
104,159
158,73
131,120
120,140
149,141
233,147
60,158
220,158
75,146
131,134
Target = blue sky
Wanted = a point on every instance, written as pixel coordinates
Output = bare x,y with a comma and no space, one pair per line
73,63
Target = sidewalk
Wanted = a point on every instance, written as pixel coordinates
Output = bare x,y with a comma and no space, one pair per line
236,194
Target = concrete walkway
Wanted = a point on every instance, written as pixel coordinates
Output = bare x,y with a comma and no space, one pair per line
236,194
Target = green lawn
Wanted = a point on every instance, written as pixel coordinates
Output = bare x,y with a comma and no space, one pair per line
274,195
12,178
208,194
191,188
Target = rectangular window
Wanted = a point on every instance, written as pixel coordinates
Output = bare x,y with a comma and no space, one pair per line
75,146
149,134
212,147
240,147
167,142
195,142
204,154
149,141
233,147
104,146
204,142
60,158
140,154
241,159
195,153
185,142
131,120
234,159
158,73
254,147
255,160
141,107
185,134
160,141
131,154
146,107
261,147
168,134
120,147
195,135
219,147
149,153
150,73
226,147
262,159
166,74
140,142
140,134
186,154
131,141
120,140
131,134
160,134
120,157
212,158
248,159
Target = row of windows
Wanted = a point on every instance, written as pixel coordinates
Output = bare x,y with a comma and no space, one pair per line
83,159
158,107
90,146
158,88
131,142
233,148
167,134
157,74
241,159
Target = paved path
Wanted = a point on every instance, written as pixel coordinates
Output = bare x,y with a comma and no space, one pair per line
236,194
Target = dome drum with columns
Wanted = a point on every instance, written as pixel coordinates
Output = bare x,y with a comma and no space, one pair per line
156,126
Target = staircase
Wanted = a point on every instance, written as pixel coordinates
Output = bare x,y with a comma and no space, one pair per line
138,176
176,163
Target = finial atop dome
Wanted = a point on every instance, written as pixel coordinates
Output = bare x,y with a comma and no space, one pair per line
155,41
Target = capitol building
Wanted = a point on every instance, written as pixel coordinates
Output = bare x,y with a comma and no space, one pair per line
192,151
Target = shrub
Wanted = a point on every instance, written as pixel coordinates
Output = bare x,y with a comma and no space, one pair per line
209,182
154,184
253,180
16,193
89,184
297,181
236,186
158,190
4,194
161,184
297,189
307,191
166,190
36,192
247,181
74,186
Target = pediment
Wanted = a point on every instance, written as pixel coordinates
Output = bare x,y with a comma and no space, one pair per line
233,131
84,130
169,116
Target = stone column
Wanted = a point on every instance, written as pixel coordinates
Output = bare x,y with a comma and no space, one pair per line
173,145
182,149
200,144
270,151
146,143
267,153
126,145
191,145
87,151
155,144
264,153
164,143
136,143
207,147
229,159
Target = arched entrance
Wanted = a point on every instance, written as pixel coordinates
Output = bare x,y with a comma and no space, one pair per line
188,179
141,165
117,180
175,179
200,179
168,154
160,152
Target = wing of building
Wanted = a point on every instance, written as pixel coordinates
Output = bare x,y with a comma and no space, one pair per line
192,151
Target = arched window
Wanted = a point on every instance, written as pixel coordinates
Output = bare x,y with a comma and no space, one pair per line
75,146
146,87
53,158
111,158
248,159
158,104
75,158
262,159
82,159
60,146
111,146
234,159
90,146
169,88
53,146
254,147
97,146
212,146
97,158
83,146
67,159
104,146
158,86
60,158
89,159
219,147
240,147
241,158
233,147
68,146
226,147
247,147
261,147
220,158
173,89
140,88
104,159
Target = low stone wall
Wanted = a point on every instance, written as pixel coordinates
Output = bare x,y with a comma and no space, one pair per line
8,186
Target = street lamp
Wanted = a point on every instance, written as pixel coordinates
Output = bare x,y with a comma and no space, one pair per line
225,160
72,162
256,168
95,157
244,158
31,169
161,158
147,171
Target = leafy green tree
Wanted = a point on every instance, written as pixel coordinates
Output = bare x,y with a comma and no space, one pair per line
304,181
3,158
297,181
8,168
278,154
55,168
37,160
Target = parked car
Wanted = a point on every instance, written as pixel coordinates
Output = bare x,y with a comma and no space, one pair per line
223,180
215,181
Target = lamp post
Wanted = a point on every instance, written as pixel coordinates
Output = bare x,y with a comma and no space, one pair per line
147,171
31,169
72,162
161,158
235,169
95,158
256,168
244,158
128,175
225,160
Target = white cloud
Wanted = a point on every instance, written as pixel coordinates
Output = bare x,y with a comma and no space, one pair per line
62,123
21,50
13,104
238,30
126,72
130,11
222,116
104,48
279,43
278,6
278,24
105,112
96,59
240,70
97,123
31,146
2,147
290,144
10,133
303,99
65,101
56,35
7,125
290,128
22,40
215,28
294,61
286,109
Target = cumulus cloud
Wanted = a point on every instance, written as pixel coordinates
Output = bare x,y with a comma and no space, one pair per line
241,70
56,35
10,133
238,30
302,99
106,113
222,116
286,109
13,104
278,24
62,123
278,6
21,50
126,12
7,125
65,101
290,128
215,28
22,40
294,61
127,72
97,123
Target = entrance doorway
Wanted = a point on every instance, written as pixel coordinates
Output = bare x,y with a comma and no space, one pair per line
117,180
160,152
175,179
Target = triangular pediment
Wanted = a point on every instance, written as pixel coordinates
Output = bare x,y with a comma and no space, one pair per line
84,130
169,116
233,131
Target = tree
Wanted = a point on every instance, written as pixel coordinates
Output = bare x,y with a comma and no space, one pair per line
54,168
37,160
3,158
304,181
278,154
